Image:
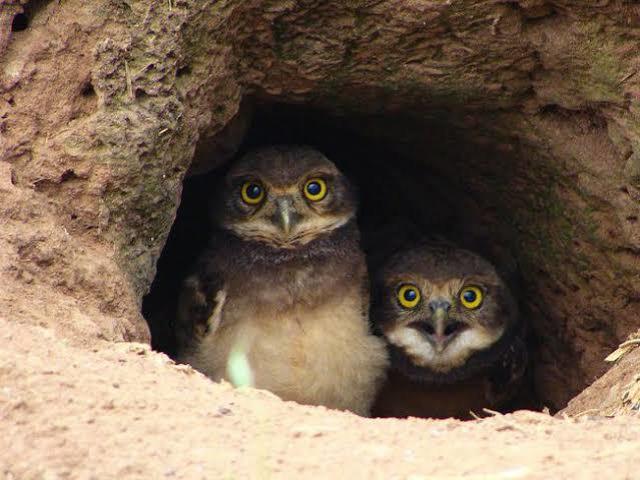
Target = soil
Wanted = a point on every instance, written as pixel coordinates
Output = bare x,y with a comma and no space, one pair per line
123,411
617,392
511,123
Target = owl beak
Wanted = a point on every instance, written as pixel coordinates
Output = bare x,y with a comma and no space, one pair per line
441,323
440,318
286,215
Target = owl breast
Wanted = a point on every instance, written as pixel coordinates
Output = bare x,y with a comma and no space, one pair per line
305,338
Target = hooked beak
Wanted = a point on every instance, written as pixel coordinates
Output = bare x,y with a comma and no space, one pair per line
440,319
440,328
286,216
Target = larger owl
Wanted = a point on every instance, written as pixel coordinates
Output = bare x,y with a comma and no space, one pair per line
453,332
283,285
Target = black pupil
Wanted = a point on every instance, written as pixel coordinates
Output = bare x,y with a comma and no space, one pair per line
469,296
410,295
254,191
314,188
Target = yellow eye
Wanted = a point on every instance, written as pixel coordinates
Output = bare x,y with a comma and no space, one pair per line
408,296
252,193
315,189
471,297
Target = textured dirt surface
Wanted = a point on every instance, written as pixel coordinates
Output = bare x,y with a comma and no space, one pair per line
50,278
121,411
523,114
617,392
526,111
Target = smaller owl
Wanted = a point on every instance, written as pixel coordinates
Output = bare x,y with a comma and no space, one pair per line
453,332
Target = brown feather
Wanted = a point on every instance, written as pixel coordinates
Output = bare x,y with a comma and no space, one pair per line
486,355
296,302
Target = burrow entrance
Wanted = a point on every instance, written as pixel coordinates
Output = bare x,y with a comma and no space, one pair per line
416,178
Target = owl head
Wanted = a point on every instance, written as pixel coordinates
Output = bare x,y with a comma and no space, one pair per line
438,306
285,196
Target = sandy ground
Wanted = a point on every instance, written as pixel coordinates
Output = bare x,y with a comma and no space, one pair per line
617,392
122,411
79,193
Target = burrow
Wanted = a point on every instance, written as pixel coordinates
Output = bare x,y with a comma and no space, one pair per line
538,182
435,175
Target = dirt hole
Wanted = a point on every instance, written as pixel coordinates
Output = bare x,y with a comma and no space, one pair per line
184,70
20,23
23,20
412,181
87,90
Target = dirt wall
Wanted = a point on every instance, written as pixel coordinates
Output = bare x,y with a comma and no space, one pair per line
529,108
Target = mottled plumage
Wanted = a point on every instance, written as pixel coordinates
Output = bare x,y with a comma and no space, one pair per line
284,282
453,332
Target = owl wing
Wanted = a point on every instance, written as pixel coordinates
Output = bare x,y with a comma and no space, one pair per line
506,376
199,308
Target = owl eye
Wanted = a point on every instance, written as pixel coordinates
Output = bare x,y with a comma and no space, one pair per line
471,297
408,296
315,189
252,193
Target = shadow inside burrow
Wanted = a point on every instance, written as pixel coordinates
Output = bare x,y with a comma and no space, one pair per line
407,194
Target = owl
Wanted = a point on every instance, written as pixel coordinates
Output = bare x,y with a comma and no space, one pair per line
453,331
280,298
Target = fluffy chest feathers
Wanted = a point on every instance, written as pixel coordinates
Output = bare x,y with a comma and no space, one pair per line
269,291
303,327
288,347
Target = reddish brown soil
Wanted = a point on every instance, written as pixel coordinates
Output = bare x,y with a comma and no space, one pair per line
524,112
616,392
52,279
103,105
121,411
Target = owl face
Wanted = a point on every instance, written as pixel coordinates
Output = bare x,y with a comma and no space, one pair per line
440,305
285,196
